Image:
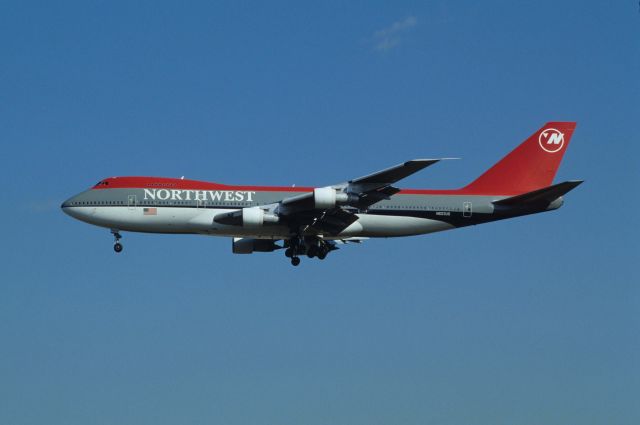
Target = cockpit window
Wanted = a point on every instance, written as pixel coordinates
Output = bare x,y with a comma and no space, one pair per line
102,183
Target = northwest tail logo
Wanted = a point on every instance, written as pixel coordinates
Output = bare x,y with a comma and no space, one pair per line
551,140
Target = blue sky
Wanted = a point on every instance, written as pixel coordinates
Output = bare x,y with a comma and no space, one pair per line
528,321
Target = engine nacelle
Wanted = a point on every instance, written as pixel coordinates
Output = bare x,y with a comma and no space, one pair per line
252,217
249,245
327,197
256,217
247,217
324,197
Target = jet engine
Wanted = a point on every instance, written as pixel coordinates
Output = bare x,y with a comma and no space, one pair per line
324,197
252,217
246,217
249,245
327,197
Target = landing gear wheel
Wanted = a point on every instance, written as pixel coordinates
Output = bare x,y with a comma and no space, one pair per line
295,261
288,253
117,246
322,255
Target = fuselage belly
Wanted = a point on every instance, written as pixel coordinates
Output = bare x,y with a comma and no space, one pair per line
201,221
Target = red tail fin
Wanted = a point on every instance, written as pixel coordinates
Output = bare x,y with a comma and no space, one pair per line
530,166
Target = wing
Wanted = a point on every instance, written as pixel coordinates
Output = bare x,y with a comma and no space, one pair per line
395,173
375,187
332,209
330,221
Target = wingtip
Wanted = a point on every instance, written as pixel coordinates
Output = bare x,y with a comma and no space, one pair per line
430,159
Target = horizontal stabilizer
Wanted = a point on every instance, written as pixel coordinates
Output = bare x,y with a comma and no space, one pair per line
540,196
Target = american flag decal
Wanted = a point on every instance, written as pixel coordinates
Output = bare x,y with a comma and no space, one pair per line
150,211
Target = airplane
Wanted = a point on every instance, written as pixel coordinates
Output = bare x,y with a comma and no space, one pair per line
313,221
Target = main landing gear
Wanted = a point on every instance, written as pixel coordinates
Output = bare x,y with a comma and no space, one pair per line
117,246
311,247
292,252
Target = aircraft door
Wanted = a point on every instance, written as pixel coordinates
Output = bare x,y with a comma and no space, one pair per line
467,209
132,202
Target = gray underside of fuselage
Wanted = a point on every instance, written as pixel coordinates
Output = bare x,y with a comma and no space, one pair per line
198,221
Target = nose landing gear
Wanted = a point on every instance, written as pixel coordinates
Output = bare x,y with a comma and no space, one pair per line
117,246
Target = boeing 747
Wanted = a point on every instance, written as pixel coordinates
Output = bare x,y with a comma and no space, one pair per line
313,221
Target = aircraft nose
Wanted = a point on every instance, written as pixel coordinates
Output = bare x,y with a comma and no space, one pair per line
69,206
66,206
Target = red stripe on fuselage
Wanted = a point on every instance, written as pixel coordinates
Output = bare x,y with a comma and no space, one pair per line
462,191
185,184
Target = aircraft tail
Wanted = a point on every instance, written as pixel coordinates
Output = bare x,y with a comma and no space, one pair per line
530,166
